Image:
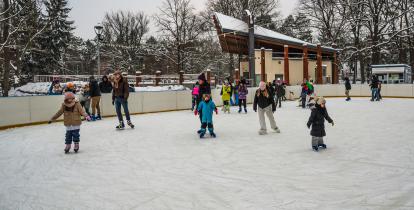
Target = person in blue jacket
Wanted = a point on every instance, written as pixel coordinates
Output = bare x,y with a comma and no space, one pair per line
206,109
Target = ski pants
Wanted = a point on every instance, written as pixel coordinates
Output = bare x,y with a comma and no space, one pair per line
72,135
205,125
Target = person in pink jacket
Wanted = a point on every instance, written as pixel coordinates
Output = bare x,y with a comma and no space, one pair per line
194,95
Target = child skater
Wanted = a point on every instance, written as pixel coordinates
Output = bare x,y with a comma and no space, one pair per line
243,91
225,96
317,121
206,109
71,110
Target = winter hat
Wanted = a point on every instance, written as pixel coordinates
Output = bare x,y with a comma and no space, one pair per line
70,85
262,85
320,100
202,77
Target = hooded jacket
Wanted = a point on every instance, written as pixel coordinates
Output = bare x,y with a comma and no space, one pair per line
317,121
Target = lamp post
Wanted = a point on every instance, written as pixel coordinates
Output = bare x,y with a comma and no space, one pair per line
98,31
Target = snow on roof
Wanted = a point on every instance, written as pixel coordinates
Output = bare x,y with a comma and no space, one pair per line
230,24
389,65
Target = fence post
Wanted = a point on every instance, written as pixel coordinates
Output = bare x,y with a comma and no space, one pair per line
157,78
138,78
181,77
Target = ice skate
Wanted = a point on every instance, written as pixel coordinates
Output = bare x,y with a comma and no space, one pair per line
262,132
76,149
277,130
315,148
323,146
98,117
130,124
67,148
121,125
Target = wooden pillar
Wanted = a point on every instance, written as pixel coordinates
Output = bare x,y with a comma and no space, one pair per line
335,77
319,65
181,77
305,62
286,62
236,74
157,78
208,75
138,78
263,65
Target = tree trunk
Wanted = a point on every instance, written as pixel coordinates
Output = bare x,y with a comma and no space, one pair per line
6,53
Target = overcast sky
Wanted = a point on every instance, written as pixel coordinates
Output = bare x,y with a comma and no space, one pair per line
87,13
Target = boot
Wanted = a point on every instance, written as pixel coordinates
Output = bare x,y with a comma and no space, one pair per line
202,133
211,131
76,149
277,130
322,145
93,118
245,110
67,148
240,110
130,124
121,125
315,148
98,117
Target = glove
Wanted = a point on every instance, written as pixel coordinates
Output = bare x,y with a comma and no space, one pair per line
88,118
332,123
113,102
49,122
308,126
195,112
216,110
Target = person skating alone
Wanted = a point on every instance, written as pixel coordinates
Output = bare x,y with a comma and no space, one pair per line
317,121
206,109
72,111
347,88
265,104
243,91
95,94
120,96
280,92
374,88
226,96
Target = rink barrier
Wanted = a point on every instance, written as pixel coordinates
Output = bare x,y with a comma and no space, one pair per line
34,110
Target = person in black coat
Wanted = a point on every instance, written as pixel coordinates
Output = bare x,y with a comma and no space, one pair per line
264,103
105,86
204,88
317,121
374,88
95,94
347,88
280,92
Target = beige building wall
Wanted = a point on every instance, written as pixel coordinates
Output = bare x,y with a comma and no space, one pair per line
276,66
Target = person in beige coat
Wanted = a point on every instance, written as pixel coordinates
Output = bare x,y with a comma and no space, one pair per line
71,111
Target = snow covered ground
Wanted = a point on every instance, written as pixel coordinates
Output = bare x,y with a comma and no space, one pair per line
41,88
162,164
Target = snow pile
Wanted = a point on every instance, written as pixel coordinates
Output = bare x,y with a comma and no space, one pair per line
162,164
42,88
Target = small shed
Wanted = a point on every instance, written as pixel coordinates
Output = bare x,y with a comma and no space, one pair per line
393,73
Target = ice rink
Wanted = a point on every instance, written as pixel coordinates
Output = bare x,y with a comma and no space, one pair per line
162,164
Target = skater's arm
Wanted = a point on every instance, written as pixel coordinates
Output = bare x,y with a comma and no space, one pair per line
327,117
311,118
126,89
255,102
81,110
58,113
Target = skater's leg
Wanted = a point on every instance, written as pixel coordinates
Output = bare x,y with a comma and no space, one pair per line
192,103
118,109
97,106
236,96
126,110
240,105
271,117
87,107
203,130
94,102
303,101
244,105
211,129
315,141
261,113
68,137
76,139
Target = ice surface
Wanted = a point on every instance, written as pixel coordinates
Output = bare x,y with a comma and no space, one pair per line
162,164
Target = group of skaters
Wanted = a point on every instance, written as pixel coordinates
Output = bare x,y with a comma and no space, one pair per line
264,104
72,109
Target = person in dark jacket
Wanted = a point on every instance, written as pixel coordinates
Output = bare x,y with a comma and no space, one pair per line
95,94
55,88
317,121
120,96
265,104
105,86
280,92
347,88
374,88
242,91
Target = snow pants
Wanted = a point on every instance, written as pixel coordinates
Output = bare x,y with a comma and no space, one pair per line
72,135
269,114
316,141
207,125
95,105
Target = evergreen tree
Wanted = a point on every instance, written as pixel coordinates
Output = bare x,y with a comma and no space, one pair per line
57,35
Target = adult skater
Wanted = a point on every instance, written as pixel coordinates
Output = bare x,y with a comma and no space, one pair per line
347,88
95,94
280,92
120,96
374,88
194,95
264,99
105,86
